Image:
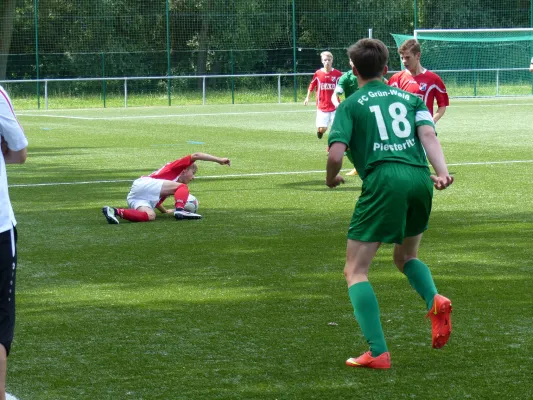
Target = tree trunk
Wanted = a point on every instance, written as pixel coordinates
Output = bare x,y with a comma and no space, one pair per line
201,59
7,13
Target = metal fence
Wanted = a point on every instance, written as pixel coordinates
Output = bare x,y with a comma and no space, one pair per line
279,88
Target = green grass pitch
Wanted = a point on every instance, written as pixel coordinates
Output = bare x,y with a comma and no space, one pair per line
238,305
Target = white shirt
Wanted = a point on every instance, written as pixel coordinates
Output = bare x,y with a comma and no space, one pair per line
12,133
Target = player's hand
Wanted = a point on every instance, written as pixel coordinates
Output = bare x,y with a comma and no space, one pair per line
441,182
225,161
336,182
306,101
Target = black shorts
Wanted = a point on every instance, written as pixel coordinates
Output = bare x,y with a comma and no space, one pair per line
8,269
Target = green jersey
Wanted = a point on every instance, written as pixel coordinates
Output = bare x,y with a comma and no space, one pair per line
347,84
378,124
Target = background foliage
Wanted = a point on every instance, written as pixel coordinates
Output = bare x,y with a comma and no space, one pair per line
94,38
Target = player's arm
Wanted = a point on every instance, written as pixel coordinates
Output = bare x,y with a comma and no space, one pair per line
339,89
531,65
306,101
426,134
338,140
439,113
209,157
13,156
442,98
163,210
13,142
334,164
311,87
336,93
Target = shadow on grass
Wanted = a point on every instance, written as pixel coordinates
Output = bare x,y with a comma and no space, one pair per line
319,185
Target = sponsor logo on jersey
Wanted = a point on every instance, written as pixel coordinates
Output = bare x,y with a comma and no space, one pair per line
327,86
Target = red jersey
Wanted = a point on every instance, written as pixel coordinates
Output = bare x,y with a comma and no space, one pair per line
172,170
325,83
426,85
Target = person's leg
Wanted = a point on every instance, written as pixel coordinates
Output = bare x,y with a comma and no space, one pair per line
322,119
420,278
143,195
3,372
180,192
140,214
8,268
359,255
418,273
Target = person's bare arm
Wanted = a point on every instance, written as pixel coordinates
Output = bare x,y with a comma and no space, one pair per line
434,153
209,157
306,101
163,210
13,157
334,164
438,115
335,99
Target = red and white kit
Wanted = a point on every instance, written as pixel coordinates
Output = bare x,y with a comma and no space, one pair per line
427,85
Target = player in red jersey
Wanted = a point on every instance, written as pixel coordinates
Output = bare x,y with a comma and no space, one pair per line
417,80
324,81
149,192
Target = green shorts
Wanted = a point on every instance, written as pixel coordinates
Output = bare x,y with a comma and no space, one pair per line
395,203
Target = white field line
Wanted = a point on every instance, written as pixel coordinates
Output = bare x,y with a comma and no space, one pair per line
216,114
255,174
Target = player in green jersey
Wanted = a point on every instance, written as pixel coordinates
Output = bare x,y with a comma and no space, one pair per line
387,130
348,85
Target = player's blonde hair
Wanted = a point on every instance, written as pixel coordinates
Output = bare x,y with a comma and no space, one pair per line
326,54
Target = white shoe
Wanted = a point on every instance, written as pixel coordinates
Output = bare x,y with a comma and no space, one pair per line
353,172
109,214
180,213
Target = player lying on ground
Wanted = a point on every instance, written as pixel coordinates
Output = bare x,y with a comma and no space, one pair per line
149,192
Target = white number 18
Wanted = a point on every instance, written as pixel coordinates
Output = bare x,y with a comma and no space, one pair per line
400,125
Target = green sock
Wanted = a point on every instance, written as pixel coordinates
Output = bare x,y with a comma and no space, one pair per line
420,278
366,311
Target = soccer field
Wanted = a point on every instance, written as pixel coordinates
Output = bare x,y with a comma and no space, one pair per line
250,302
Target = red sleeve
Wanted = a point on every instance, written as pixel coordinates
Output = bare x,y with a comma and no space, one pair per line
441,95
393,79
181,164
313,83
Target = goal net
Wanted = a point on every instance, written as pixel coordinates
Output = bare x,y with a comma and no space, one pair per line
478,62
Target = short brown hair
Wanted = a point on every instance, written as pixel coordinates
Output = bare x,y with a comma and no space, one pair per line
409,46
369,56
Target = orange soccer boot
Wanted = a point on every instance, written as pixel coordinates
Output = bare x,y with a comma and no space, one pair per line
441,321
367,361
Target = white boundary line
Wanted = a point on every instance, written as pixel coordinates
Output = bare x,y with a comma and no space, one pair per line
257,174
216,114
